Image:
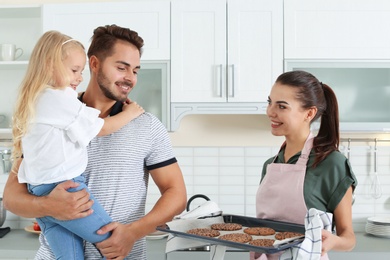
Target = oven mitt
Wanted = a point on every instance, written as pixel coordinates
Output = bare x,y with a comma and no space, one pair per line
310,248
4,231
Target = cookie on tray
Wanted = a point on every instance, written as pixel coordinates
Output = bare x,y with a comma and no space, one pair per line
287,234
259,231
237,237
226,226
205,232
265,242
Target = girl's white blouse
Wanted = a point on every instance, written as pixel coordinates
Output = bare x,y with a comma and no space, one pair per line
54,148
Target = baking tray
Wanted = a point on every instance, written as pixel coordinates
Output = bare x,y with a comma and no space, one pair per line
247,222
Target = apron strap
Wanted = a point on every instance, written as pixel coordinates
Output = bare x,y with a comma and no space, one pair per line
304,157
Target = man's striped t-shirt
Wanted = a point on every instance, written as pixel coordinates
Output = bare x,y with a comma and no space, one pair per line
117,174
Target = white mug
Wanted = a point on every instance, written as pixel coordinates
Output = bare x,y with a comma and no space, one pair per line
9,52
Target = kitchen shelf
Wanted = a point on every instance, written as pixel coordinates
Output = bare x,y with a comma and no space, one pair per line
5,130
10,65
5,137
20,25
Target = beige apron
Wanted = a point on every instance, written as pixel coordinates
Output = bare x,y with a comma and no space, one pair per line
280,194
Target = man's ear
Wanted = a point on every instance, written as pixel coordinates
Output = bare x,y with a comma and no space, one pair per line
94,63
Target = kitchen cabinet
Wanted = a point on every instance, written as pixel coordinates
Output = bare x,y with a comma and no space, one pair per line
315,29
19,25
19,244
365,83
151,19
225,55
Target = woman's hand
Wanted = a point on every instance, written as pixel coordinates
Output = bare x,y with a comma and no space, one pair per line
345,239
328,241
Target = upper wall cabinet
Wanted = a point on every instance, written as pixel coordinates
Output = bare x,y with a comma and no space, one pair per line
334,29
225,55
151,19
19,25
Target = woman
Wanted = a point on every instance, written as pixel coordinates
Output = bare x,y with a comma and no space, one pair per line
309,171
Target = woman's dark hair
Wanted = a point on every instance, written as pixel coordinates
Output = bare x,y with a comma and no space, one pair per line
313,93
105,37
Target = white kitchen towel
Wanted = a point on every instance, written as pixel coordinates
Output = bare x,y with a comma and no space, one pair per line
182,225
310,248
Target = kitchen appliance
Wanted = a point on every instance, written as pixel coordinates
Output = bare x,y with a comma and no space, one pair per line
205,210
5,159
3,215
362,88
3,212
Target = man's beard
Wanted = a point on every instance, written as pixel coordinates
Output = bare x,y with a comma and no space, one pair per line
103,82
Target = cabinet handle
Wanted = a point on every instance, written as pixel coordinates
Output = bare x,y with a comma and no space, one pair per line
232,82
219,80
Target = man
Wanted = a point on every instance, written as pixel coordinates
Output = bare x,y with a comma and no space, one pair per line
119,164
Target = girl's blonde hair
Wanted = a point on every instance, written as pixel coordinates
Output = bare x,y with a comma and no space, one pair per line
45,69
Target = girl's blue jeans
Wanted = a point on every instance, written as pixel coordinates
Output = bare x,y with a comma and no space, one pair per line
65,237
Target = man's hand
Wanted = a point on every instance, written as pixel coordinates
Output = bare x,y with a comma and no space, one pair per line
69,205
119,244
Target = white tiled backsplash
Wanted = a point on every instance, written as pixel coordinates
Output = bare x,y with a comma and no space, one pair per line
230,177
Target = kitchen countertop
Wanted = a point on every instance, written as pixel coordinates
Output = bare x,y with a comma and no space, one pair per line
19,244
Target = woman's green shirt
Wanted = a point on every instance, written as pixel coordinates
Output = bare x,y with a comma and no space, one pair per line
326,184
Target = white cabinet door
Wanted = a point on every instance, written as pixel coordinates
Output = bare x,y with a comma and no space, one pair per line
19,25
334,29
151,19
255,48
225,51
198,56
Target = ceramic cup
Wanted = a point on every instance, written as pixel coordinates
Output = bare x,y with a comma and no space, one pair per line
9,52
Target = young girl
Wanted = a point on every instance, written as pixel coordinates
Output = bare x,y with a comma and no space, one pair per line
51,129
309,171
